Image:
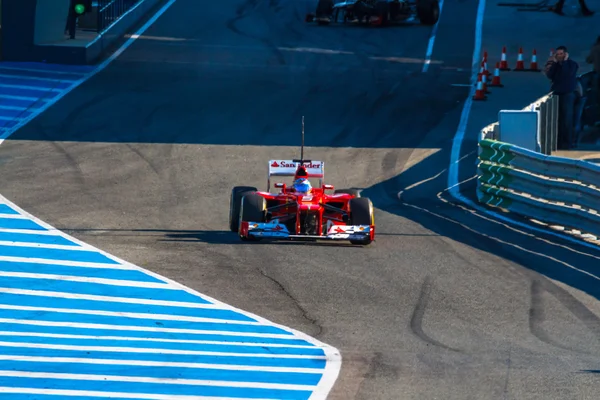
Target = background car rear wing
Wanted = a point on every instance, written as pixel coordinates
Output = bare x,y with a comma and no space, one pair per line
315,169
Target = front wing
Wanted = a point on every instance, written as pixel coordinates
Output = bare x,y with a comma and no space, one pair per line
275,230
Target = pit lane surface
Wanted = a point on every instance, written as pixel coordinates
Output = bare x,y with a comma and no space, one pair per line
140,160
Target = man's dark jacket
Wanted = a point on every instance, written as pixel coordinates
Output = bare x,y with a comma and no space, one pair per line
563,76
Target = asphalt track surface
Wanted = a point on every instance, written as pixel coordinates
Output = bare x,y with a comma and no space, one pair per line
140,161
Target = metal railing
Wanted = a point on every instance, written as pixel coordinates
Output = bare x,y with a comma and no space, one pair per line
554,190
536,185
109,11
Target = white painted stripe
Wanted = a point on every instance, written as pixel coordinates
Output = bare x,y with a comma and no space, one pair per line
111,299
431,43
84,279
162,317
113,395
32,232
165,381
24,87
140,363
66,263
11,97
13,108
146,339
13,216
41,70
36,78
153,351
72,247
145,328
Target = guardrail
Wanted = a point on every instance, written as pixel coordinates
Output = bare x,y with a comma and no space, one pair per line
553,190
109,11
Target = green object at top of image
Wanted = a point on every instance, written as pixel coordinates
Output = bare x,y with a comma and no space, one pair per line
79,8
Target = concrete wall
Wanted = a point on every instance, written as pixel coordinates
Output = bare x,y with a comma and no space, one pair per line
50,20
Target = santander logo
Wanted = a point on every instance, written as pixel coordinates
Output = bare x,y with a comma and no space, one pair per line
286,164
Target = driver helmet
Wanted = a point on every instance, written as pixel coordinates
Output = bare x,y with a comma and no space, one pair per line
302,185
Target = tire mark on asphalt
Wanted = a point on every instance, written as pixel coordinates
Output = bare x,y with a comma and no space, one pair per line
244,10
416,321
305,314
574,306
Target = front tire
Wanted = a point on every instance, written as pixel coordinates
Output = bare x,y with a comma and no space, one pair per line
253,209
361,213
428,11
235,202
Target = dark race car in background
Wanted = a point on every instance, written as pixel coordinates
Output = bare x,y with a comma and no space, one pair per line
375,12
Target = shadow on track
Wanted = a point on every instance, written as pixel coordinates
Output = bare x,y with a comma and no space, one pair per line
572,264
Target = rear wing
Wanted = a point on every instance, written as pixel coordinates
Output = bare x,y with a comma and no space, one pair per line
315,169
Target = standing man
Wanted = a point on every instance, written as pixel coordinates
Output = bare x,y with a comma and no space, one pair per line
562,71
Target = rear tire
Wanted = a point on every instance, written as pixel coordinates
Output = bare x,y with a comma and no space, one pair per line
253,209
428,11
235,203
361,213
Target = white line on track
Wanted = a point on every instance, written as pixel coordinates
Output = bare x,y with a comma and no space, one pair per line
146,339
141,350
150,329
431,43
140,363
161,317
164,381
127,300
83,279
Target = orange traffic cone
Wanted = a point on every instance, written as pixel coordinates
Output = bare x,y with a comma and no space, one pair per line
496,79
534,65
485,64
503,62
479,93
483,83
520,65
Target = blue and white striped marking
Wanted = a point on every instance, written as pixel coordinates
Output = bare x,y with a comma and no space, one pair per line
78,323
27,89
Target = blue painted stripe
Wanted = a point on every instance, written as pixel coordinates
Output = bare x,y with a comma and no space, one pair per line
28,104
6,209
14,113
13,327
293,378
118,274
37,93
36,83
123,357
64,76
76,304
8,123
14,223
35,238
80,69
165,389
99,289
140,344
55,254
54,316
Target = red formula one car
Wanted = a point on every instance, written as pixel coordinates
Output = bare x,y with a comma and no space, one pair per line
313,215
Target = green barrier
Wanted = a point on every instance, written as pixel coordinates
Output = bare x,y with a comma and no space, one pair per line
496,152
493,196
